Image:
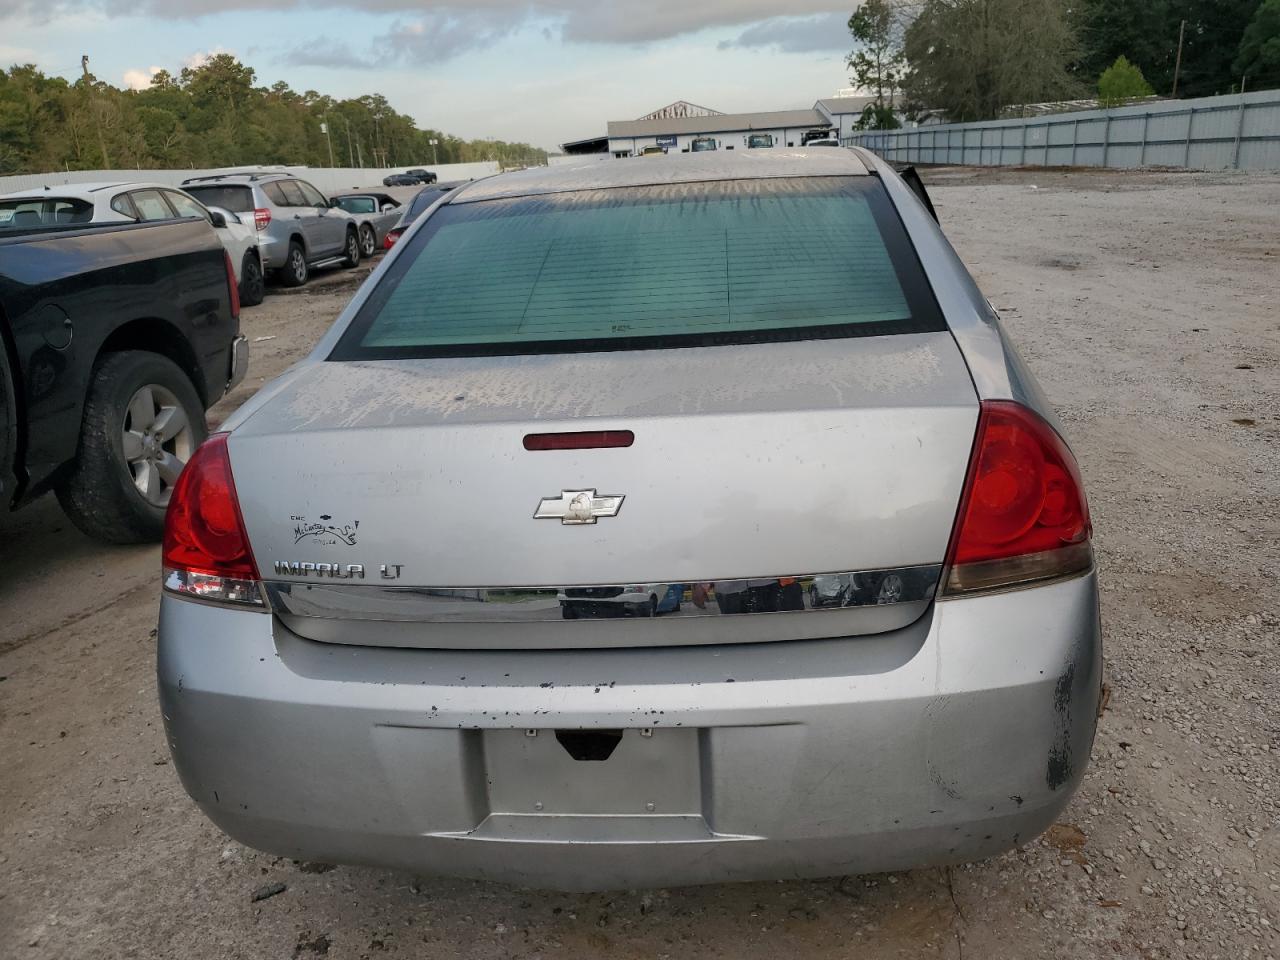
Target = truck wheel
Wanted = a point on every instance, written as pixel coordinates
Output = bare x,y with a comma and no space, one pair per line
253,286
142,422
295,272
351,250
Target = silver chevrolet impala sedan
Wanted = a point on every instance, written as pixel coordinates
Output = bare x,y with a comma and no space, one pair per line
390,630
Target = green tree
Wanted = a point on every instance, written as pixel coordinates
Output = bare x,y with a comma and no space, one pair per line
162,137
222,81
1259,55
1147,34
970,59
1214,31
877,60
1121,82
210,115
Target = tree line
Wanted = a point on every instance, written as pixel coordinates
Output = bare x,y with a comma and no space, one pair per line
975,59
213,115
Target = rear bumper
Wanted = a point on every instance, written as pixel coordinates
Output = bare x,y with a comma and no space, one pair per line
953,739
273,249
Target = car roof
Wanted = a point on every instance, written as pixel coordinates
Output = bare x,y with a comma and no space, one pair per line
236,179
596,173
87,191
80,191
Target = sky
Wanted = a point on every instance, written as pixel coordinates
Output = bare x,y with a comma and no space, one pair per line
539,71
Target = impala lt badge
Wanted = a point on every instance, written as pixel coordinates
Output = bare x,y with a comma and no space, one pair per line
575,507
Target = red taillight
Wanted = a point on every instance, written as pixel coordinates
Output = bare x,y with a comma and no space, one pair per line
262,218
392,236
231,282
1023,514
206,552
581,440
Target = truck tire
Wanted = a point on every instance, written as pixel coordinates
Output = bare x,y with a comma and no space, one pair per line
142,421
295,272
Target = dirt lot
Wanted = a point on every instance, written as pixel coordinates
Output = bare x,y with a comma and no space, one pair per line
1148,305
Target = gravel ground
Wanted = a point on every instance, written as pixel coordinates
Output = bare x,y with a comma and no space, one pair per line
1148,306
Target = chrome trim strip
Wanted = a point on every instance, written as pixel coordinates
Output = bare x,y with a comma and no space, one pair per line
239,363
793,595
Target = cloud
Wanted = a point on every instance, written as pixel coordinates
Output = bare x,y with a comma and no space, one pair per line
201,57
10,54
441,36
460,24
140,79
797,34
419,41
620,21
326,52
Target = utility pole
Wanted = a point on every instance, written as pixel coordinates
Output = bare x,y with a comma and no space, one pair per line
434,156
1177,67
351,156
360,154
324,128
97,115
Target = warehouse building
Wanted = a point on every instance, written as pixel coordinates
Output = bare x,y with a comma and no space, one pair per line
676,126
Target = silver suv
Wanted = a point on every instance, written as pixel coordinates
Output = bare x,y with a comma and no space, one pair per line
299,228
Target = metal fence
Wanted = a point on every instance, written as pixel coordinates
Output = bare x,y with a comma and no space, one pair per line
1237,132
327,180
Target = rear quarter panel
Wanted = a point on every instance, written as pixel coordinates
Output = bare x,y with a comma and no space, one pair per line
998,370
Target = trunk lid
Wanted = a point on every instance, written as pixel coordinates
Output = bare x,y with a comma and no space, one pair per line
750,463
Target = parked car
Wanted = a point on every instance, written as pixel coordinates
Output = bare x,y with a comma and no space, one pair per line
653,151
633,600
823,142
414,208
75,203
517,399
400,180
830,591
114,340
376,213
299,228
424,176
876,587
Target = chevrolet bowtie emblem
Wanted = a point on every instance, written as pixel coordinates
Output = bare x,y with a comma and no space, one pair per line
578,506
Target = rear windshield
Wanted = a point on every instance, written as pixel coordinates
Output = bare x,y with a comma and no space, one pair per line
358,204
235,199
649,267
43,212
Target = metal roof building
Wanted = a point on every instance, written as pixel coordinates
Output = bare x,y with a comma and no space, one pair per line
675,127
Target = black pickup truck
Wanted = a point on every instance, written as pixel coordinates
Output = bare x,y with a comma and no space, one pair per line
114,340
